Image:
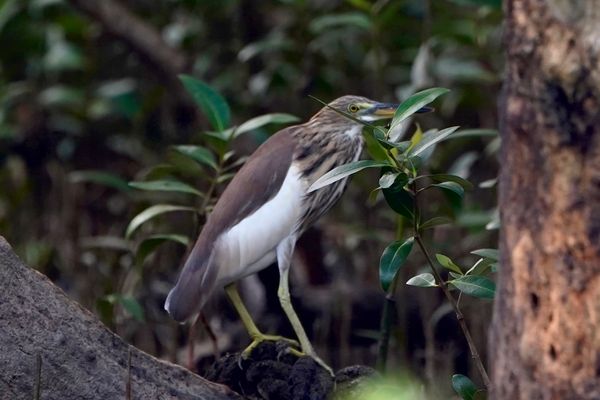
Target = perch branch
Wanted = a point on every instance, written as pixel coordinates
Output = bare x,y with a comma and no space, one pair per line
81,358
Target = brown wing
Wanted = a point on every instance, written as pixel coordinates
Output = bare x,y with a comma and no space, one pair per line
257,182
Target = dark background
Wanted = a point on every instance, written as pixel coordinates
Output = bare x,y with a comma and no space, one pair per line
86,107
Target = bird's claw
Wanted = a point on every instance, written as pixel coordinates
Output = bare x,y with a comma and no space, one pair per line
312,355
292,348
258,339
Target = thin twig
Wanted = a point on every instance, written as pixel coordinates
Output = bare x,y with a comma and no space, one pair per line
387,321
389,312
459,315
444,286
191,343
211,334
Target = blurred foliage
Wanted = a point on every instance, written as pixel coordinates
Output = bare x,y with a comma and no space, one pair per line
82,113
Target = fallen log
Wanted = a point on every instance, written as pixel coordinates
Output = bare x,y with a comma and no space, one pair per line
52,346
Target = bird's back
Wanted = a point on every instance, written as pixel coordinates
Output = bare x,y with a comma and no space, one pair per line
257,182
265,203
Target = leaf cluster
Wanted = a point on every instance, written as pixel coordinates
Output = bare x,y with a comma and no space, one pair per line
401,183
216,160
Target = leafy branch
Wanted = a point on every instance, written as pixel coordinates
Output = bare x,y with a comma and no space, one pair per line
212,163
402,185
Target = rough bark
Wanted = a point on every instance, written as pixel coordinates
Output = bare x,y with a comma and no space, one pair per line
545,339
80,358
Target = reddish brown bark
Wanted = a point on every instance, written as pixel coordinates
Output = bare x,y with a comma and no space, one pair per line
545,339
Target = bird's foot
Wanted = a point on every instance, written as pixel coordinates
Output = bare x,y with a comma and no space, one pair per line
259,338
314,356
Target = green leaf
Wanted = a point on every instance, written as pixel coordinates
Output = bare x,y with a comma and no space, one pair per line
464,387
415,138
62,96
451,178
375,148
481,267
343,171
220,136
447,263
129,304
150,213
435,221
488,183
473,218
422,280
387,179
8,9
225,177
122,95
133,307
148,245
212,104
62,55
257,122
399,200
489,3
159,171
327,22
449,68
117,243
199,154
492,254
476,286
430,139
394,256
388,144
468,133
166,186
494,223
455,275
414,103
99,177
452,187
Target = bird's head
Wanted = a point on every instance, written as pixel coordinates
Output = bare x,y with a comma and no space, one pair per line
361,108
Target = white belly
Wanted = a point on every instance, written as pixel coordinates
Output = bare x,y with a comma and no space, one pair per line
250,245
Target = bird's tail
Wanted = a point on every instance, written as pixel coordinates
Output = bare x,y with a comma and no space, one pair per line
195,284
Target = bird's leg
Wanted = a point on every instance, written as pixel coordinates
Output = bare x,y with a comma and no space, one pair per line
284,259
255,334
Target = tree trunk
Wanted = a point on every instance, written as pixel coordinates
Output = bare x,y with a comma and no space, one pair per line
51,346
545,339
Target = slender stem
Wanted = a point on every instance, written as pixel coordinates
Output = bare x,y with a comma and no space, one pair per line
444,286
389,312
211,334
387,321
209,193
459,315
210,190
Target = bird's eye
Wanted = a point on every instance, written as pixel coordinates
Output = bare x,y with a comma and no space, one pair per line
353,108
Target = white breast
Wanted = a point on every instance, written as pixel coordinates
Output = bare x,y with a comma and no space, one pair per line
355,131
250,245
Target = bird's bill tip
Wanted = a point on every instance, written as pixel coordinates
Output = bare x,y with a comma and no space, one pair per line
388,110
385,110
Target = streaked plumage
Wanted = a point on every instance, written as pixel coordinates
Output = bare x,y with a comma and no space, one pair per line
266,206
